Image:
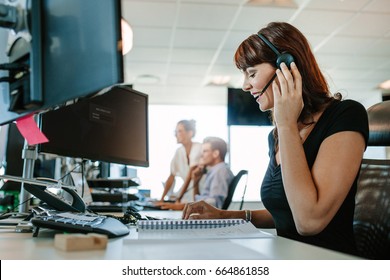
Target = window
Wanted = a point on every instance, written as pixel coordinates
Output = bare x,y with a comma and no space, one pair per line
248,145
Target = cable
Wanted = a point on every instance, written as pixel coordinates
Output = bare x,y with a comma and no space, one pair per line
82,165
14,66
69,172
13,209
129,217
5,80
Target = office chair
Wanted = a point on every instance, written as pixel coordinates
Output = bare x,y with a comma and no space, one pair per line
232,188
372,209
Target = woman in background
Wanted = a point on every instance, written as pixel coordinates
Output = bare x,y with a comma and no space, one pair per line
315,149
186,157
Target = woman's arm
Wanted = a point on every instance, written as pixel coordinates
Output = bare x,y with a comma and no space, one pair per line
191,176
314,195
167,186
203,210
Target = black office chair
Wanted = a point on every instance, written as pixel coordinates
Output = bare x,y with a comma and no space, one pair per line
372,210
232,188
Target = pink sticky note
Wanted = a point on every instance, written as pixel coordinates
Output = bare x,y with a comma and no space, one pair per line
30,130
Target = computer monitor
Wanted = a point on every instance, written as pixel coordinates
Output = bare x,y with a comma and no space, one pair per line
111,127
242,109
53,51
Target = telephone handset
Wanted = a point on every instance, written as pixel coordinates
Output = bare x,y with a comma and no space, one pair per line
55,201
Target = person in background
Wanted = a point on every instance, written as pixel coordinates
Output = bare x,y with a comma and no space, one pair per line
218,175
315,149
186,156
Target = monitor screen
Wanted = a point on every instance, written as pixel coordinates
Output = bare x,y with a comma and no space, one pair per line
110,127
71,49
244,110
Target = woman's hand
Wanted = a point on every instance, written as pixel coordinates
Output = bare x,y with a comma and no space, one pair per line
197,173
200,210
288,102
171,206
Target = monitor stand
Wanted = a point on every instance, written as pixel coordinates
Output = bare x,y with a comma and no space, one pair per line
29,155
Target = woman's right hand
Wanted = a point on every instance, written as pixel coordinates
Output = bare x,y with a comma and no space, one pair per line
200,210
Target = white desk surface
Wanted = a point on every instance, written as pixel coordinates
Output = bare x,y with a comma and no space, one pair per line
22,246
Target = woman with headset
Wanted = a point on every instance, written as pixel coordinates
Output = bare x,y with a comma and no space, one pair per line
315,149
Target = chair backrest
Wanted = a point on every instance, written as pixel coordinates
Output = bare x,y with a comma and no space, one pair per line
232,188
372,209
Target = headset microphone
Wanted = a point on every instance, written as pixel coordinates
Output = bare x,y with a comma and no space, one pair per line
281,57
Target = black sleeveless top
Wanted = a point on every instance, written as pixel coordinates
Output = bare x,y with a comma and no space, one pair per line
347,115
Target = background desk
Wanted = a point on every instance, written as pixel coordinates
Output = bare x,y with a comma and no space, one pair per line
22,246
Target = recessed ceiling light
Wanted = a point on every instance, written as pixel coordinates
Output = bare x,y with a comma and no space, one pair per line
147,79
275,3
219,81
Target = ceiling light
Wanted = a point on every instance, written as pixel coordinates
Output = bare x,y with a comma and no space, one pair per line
127,37
385,85
147,79
275,3
219,80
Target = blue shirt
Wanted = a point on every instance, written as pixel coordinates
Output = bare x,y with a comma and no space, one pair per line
216,185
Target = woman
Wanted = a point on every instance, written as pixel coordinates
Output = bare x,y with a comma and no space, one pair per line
187,156
315,149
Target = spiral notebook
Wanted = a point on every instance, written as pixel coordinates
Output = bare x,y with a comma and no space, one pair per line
197,229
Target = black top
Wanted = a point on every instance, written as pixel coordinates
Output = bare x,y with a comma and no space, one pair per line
347,115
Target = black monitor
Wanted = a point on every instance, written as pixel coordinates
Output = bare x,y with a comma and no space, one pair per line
110,127
53,51
242,109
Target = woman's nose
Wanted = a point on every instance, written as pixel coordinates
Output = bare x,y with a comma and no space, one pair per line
246,86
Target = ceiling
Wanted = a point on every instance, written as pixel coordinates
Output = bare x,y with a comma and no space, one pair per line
180,45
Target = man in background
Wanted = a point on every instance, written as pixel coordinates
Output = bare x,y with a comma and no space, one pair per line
218,175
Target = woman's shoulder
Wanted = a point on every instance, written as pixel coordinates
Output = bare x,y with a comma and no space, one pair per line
347,110
346,114
347,105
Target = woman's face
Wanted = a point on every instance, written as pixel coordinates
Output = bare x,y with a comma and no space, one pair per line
182,135
255,79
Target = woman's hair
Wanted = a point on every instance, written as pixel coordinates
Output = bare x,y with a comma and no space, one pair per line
287,38
189,125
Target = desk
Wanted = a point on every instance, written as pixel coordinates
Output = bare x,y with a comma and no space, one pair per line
22,246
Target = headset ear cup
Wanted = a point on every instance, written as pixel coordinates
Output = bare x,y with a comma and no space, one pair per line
286,58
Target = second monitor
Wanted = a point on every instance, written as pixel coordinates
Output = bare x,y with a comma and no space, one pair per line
111,127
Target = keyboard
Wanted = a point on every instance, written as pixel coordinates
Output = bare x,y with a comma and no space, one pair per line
81,223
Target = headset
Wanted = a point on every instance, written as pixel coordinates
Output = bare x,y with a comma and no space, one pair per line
281,57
